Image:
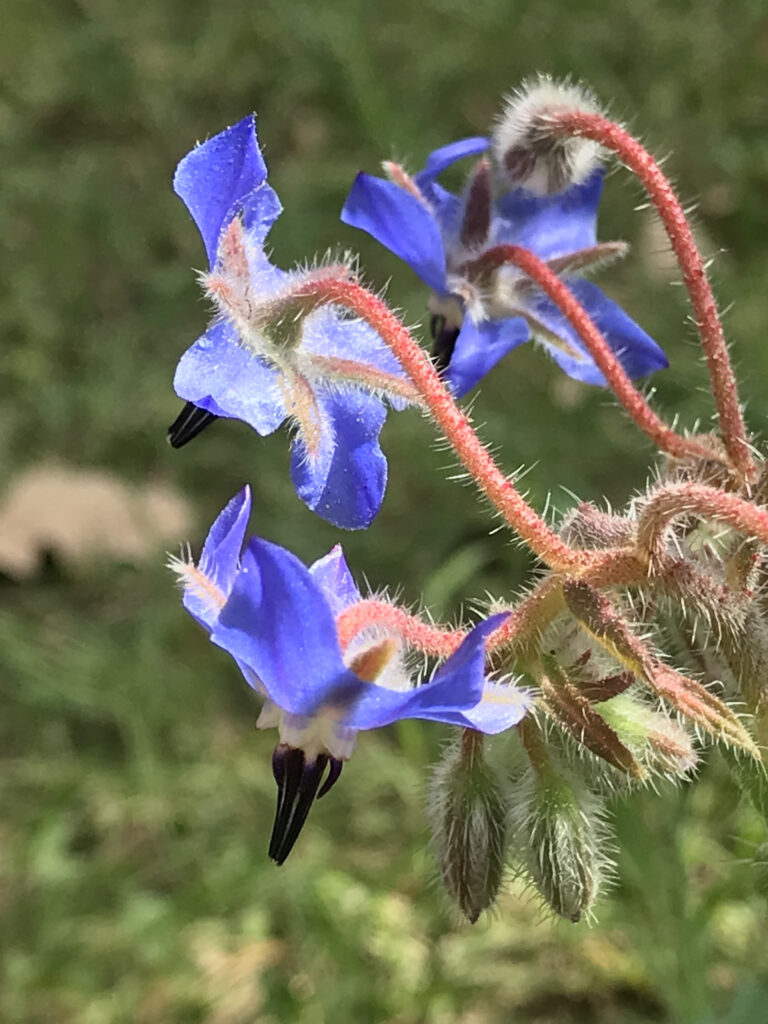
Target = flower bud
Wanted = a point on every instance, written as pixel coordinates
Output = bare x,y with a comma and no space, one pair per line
572,710
746,653
587,527
469,824
658,742
558,824
528,147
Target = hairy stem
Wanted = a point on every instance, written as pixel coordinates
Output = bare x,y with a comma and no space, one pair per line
663,436
454,424
695,499
670,210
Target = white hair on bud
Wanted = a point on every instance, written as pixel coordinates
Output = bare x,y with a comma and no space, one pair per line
529,154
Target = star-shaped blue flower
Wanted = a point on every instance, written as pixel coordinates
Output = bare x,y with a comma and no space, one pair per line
439,235
278,620
270,355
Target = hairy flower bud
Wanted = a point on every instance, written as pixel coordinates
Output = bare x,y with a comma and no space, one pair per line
558,824
657,741
746,652
572,710
469,823
587,527
530,151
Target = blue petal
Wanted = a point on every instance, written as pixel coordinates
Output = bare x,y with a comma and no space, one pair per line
278,623
479,347
456,687
400,222
441,159
550,225
219,374
332,575
500,708
224,176
637,351
446,205
344,480
220,558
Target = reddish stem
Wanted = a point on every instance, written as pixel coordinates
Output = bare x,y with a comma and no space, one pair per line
696,499
663,436
421,635
642,164
454,424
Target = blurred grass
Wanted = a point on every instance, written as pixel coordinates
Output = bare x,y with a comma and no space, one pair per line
136,798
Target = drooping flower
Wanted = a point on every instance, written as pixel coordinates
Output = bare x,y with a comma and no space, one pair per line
477,317
278,620
274,352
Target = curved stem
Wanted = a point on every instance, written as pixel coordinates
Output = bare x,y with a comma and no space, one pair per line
663,436
417,633
670,210
454,424
696,499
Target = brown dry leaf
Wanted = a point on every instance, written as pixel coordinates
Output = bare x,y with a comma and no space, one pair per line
84,514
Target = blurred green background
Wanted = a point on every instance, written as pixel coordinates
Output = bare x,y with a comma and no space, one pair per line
136,795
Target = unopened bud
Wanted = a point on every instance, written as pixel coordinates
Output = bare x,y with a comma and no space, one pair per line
587,527
746,652
559,824
695,701
657,741
469,822
598,618
528,147
572,710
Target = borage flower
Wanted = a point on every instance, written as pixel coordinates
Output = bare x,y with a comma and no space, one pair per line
479,316
274,351
278,619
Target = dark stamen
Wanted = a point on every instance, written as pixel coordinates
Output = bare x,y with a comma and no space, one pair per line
444,338
334,772
297,785
476,222
188,424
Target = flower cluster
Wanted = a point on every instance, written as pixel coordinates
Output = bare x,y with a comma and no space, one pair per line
602,708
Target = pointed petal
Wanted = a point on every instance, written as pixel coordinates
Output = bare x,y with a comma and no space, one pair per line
446,205
224,176
400,222
501,708
637,351
331,573
441,159
220,558
551,225
456,687
278,622
479,347
343,481
220,375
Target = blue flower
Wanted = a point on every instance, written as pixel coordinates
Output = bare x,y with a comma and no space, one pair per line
477,321
278,620
272,352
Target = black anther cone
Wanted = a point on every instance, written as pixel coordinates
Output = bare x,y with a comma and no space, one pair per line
298,782
444,341
188,424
